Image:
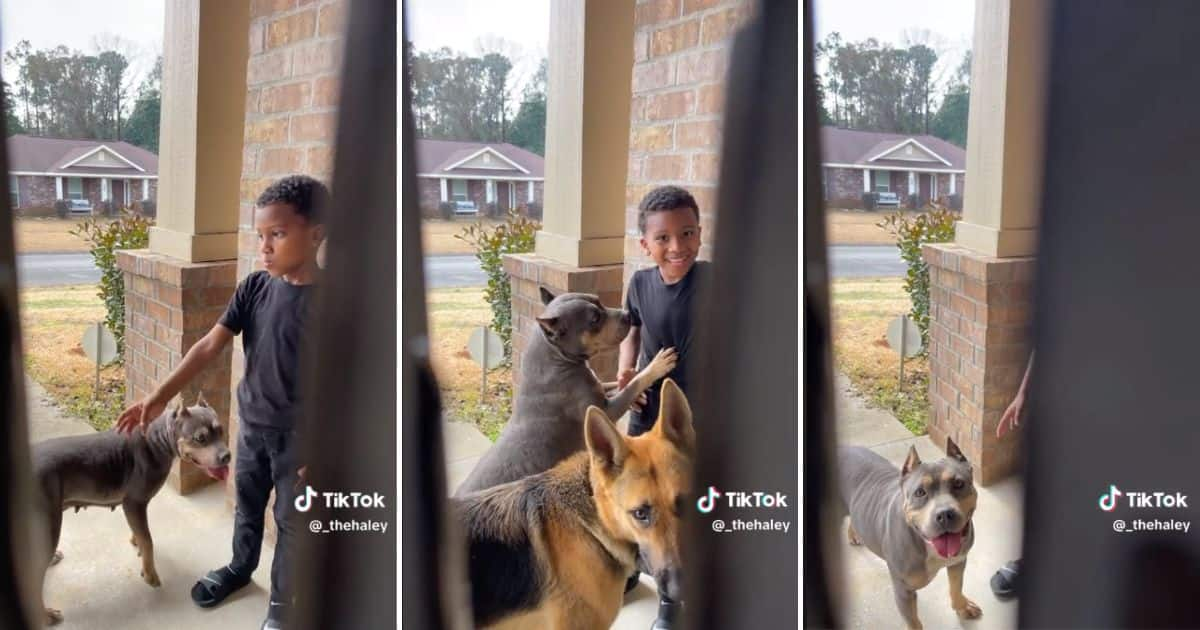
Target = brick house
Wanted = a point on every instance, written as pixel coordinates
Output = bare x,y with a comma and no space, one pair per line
43,170
475,174
919,168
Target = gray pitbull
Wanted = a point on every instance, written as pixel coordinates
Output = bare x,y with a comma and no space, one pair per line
110,469
918,519
557,387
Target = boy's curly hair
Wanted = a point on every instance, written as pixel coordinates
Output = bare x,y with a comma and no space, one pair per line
665,198
307,195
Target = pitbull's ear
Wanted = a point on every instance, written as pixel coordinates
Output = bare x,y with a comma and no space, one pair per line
911,463
547,297
200,402
953,451
549,325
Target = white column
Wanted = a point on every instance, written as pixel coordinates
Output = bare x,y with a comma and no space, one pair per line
953,181
58,188
530,190
934,186
491,190
912,183
445,192
145,190
866,180
104,189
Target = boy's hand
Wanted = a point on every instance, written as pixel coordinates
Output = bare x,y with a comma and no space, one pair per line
663,363
1012,416
624,377
301,477
140,414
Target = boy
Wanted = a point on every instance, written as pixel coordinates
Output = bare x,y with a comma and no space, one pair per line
659,301
270,307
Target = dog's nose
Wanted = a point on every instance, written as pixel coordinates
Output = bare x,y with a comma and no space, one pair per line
670,584
946,517
224,458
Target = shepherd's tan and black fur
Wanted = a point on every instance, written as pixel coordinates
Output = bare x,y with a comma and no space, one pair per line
553,550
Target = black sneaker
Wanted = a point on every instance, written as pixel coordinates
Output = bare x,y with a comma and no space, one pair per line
277,614
1005,581
668,614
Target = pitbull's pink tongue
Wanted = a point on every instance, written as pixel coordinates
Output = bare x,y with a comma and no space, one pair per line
219,473
947,545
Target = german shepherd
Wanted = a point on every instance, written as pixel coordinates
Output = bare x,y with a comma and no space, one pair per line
553,550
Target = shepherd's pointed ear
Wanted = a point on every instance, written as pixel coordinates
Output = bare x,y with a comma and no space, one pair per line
953,451
675,417
911,463
549,325
200,402
604,440
547,296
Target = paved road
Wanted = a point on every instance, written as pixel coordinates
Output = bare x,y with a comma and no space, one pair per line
49,270
865,261
453,271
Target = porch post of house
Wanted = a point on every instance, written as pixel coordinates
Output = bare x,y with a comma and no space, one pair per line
981,289
58,188
178,287
581,244
953,183
445,192
104,189
866,180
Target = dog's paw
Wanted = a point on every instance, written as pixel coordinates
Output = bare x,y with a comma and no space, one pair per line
53,616
968,610
663,363
56,558
151,578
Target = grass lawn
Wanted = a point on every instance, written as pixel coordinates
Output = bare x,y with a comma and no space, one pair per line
862,309
437,235
857,227
47,235
52,322
453,315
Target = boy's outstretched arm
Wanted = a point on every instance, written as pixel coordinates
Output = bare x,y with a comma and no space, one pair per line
197,358
627,356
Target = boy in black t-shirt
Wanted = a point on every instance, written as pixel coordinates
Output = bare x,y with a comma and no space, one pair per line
659,301
269,309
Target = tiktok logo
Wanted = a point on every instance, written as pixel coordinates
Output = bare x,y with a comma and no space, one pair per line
1108,500
708,503
304,503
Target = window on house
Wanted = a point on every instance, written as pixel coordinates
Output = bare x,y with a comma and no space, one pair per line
14,194
74,188
883,181
458,189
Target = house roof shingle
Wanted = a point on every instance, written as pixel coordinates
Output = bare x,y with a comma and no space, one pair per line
37,154
433,156
848,146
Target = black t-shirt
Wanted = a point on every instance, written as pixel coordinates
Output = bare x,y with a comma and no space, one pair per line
270,314
664,312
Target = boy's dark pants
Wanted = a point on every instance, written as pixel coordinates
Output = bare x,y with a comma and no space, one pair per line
266,459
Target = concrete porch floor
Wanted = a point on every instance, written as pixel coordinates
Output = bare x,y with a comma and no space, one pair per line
97,585
868,597
464,445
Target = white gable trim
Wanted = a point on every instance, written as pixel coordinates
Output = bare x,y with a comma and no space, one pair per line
83,175
499,178
103,147
918,144
493,152
876,167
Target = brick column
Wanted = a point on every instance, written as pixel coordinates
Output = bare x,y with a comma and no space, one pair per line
979,344
529,272
169,305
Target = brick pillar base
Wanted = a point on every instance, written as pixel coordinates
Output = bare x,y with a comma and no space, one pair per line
980,311
169,305
529,272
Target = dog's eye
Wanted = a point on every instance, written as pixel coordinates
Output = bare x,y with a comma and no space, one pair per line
919,493
200,438
642,514
958,484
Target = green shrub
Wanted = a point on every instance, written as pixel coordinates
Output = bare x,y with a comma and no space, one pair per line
129,231
935,225
514,236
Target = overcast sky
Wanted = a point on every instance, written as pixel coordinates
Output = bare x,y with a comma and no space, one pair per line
461,25
953,21
75,23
